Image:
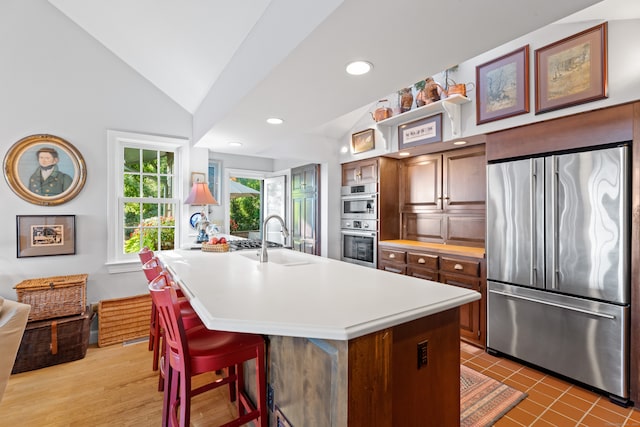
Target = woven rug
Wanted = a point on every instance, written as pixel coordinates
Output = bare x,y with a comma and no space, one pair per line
484,400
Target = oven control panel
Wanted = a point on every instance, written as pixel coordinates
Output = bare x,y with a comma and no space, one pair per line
359,224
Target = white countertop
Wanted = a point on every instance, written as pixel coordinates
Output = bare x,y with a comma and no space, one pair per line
301,295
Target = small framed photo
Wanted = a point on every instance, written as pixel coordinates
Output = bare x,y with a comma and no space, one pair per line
198,177
46,235
572,71
364,140
44,170
423,131
502,86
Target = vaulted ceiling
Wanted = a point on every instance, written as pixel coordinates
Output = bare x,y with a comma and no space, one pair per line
234,63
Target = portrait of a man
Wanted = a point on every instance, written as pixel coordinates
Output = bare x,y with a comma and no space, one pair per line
44,170
47,179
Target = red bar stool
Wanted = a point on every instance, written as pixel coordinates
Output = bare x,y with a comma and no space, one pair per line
152,270
145,254
194,351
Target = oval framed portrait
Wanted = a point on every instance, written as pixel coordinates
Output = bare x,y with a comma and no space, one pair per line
44,170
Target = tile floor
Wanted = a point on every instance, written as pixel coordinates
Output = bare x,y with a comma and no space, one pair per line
550,401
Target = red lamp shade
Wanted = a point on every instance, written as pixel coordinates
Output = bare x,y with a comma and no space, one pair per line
200,195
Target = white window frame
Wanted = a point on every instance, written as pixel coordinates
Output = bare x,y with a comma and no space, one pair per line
117,262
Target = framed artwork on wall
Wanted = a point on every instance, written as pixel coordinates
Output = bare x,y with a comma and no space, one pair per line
364,140
44,170
197,177
502,86
418,132
43,235
572,71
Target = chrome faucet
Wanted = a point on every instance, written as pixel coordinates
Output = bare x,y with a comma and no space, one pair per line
263,249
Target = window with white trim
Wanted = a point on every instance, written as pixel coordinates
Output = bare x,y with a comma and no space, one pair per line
145,193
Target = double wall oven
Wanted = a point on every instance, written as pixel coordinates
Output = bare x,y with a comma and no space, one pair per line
359,224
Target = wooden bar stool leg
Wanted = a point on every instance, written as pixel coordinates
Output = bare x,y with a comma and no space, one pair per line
261,383
185,401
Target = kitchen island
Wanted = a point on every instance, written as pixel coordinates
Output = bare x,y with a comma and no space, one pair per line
347,345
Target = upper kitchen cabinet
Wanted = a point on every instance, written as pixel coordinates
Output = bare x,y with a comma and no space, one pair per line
444,182
304,179
360,172
442,197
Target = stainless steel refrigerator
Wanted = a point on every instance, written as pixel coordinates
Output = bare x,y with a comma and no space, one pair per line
558,264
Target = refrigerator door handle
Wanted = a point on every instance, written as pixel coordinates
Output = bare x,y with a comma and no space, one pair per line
532,219
554,222
553,304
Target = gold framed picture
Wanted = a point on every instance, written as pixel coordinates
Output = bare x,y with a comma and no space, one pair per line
572,71
364,140
44,170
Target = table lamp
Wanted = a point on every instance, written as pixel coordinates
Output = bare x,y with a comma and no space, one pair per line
201,196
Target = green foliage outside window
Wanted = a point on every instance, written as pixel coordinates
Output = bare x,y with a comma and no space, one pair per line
147,235
245,211
148,174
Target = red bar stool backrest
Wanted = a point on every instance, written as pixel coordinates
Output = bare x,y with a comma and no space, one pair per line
166,301
152,269
145,254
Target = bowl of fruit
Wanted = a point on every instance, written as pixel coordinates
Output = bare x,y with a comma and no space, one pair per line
216,244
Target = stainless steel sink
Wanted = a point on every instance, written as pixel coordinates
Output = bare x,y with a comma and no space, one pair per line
285,257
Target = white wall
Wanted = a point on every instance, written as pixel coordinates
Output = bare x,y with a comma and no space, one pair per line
623,72
58,80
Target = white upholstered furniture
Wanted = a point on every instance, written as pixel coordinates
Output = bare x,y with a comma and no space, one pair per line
13,321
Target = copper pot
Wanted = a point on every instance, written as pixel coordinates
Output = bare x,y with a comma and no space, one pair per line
458,88
382,112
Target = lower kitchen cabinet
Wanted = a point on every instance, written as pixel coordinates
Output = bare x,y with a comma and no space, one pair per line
436,263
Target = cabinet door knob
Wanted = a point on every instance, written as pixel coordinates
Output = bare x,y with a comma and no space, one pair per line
421,261
458,267
392,256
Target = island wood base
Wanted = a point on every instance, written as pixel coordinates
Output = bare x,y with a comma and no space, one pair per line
372,381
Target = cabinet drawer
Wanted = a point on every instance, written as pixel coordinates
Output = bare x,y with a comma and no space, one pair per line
393,255
459,266
422,273
423,260
461,281
393,267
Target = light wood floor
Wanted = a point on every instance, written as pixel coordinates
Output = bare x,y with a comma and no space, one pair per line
111,386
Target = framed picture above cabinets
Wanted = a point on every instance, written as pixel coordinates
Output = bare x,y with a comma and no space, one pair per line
422,131
502,88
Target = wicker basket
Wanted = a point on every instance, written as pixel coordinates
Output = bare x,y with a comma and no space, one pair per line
218,247
123,319
55,296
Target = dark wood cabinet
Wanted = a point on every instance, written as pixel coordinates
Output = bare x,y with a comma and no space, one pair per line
446,182
442,197
360,172
392,260
467,273
452,269
305,224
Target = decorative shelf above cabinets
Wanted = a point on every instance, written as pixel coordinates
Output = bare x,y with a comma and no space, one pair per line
450,106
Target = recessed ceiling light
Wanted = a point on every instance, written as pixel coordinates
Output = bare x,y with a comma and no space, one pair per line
344,149
274,121
404,153
235,144
459,142
357,68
